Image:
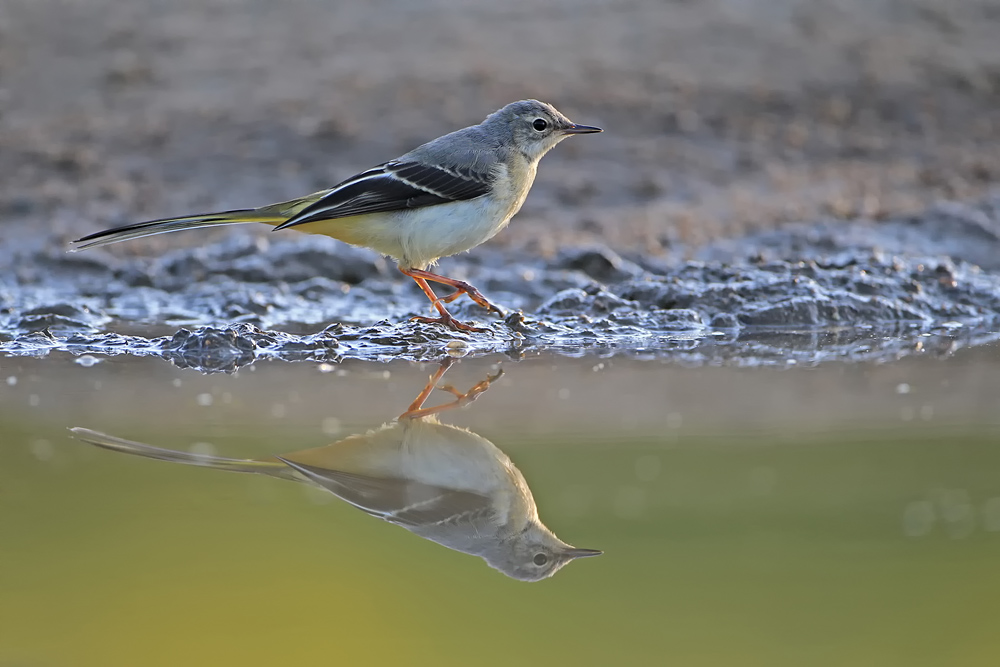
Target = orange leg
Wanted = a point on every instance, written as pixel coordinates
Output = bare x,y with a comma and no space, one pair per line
461,287
418,402
461,399
446,318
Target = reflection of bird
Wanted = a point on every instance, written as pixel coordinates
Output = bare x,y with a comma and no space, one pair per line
443,483
442,198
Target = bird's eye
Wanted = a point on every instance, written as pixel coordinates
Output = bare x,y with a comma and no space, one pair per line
540,559
540,125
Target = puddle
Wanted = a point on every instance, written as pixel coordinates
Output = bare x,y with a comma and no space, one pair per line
768,504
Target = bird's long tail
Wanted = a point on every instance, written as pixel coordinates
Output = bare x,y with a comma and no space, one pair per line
263,467
274,215
151,227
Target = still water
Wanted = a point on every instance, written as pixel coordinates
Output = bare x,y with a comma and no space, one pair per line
844,514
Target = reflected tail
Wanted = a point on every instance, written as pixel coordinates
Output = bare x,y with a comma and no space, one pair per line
271,468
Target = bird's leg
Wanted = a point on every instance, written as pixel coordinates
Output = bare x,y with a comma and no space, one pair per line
461,287
451,297
418,402
461,399
446,318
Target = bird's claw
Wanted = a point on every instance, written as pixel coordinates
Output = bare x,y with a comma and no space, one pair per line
480,387
477,297
417,410
449,322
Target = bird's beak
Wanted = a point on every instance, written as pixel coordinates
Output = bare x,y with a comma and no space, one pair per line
582,129
573,552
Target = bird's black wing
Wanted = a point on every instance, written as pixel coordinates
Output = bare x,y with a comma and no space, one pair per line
394,186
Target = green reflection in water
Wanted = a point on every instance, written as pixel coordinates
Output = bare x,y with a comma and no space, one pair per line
868,546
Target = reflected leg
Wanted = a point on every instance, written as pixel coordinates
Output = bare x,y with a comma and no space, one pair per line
461,399
418,402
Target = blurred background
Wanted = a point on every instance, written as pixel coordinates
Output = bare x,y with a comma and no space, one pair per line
721,115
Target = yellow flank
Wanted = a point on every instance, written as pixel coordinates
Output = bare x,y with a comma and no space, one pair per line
382,232
349,230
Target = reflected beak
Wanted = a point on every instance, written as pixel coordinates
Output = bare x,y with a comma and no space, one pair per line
582,129
573,552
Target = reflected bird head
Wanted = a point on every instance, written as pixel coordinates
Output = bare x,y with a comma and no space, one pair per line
535,554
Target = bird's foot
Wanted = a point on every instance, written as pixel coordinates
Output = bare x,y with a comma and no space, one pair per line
461,399
475,391
475,295
461,287
450,322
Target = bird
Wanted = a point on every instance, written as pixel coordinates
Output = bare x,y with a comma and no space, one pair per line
441,482
444,197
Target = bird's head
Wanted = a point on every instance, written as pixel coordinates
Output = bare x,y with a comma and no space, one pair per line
533,127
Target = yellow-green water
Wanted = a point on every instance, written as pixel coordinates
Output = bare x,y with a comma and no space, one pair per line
839,515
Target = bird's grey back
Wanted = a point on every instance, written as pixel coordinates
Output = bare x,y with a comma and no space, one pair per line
472,151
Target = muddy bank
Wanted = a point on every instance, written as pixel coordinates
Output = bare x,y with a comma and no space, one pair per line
802,293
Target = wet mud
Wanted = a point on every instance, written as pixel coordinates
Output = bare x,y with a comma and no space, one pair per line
800,294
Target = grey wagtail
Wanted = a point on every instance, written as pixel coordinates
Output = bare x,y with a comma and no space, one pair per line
442,198
440,482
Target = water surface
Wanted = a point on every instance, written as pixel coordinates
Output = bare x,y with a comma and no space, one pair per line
847,513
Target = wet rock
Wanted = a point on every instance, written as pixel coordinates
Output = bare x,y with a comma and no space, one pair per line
48,322
806,311
601,264
724,321
78,265
295,263
964,232
134,276
516,322
61,317
61,310
290,261
870,289
175,271
678,319
577,301
210,349
659,321
105,343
